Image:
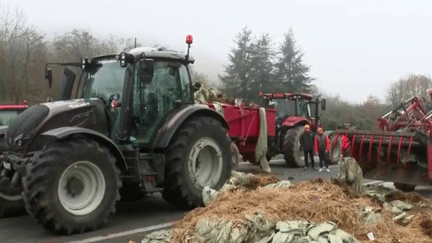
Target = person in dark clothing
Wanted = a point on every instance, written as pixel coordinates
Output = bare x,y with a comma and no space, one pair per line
322,148
307,144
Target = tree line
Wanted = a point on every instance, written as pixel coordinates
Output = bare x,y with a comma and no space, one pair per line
24,52
255,64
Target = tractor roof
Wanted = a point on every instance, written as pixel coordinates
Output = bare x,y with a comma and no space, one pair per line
286,95
151,52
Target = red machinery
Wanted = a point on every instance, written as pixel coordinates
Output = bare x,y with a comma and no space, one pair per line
9,111
400,150
244,122
294,110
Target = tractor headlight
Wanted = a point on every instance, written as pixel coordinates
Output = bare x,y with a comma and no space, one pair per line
18,141
126,58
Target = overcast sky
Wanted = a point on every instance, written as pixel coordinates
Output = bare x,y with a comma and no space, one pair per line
355,48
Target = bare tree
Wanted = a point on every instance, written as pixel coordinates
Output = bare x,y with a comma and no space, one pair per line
22,50
405,88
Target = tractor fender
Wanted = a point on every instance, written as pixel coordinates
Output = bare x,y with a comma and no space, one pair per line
176,118
294,121
65,132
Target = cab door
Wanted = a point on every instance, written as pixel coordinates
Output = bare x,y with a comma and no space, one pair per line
154,99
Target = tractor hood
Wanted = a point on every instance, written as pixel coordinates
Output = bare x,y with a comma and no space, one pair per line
43,117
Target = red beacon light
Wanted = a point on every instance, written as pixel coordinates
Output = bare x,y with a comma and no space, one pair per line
189,39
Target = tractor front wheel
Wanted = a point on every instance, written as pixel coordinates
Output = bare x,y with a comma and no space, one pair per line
291,147
72,186
199,155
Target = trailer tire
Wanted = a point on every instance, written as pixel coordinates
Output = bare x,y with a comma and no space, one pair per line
404,187
72,186
291,147
199,155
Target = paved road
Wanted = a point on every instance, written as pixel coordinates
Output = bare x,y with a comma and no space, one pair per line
133,220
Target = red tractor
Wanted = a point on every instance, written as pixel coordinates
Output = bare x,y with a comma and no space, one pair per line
293,111
399,150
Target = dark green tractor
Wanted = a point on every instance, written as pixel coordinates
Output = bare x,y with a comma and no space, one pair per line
131,129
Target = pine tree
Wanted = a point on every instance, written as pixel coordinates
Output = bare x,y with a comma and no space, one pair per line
291,72
237,80
251,67
261,67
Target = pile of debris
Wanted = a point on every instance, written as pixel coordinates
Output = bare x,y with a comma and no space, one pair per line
260,208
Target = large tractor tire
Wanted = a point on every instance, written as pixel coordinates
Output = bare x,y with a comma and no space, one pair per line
72,186
335,148
291,147
199,155
11,202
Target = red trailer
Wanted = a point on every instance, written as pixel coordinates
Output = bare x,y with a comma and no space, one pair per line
244,122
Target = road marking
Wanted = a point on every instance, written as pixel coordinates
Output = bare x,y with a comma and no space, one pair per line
124,233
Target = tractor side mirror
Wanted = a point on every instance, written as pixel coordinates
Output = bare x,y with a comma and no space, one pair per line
145,71
48,77
323,104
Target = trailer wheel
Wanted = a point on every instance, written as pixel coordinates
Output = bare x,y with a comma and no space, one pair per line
404,187
11,202
199,155
291,147
72,186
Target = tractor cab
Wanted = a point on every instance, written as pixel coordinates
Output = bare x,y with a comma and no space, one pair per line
295,108
137,90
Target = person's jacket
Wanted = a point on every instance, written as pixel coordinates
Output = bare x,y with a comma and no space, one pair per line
322,143
307,141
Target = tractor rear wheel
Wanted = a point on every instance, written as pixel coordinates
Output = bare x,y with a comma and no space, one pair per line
72,186
291,147
199,155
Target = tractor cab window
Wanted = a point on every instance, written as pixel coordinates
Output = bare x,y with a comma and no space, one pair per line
285,108
105,80
154,100
292,107
303,109
186,85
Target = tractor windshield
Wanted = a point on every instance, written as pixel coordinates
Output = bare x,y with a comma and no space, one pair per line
285,108
104,80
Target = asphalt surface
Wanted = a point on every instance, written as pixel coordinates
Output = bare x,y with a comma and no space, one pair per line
134,220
